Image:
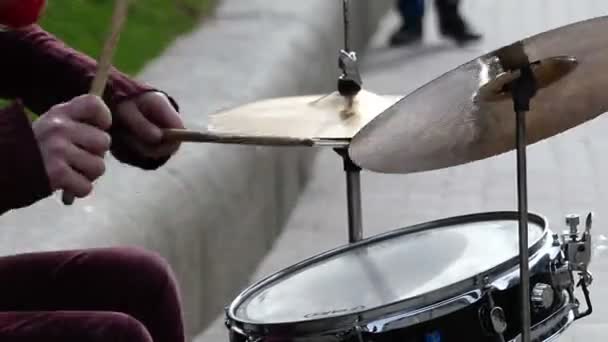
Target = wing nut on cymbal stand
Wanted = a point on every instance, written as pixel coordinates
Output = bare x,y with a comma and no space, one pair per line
350,82
546,72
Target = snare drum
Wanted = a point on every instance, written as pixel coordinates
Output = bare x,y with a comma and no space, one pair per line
455,279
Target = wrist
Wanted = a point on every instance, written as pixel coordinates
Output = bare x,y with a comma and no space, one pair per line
123,88
24,175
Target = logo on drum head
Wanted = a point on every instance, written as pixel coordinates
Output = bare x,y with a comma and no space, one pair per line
334,312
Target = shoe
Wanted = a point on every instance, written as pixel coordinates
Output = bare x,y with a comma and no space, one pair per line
409,33
462,37
405,37
457,30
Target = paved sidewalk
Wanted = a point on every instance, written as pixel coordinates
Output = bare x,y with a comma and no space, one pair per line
566,173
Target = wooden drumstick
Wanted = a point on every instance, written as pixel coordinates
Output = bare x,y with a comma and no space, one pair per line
105,62
185,135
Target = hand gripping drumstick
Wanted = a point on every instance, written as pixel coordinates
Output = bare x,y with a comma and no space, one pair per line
105,62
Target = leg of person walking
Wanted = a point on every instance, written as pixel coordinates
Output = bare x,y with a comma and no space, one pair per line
412,14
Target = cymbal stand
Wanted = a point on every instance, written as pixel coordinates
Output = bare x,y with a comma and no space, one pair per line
523,89
349,85
353,197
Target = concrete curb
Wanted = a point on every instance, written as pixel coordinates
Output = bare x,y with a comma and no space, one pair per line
213,211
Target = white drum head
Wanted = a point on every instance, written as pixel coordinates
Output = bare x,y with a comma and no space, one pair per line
385,272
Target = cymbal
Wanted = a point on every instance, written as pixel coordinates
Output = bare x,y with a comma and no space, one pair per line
304,118
468,115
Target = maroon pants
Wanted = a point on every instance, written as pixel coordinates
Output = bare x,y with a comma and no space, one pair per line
118,294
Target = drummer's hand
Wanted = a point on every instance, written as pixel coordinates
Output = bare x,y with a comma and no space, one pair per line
73,142
144,117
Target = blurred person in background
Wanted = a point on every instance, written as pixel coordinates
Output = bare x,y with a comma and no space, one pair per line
110,294
451,23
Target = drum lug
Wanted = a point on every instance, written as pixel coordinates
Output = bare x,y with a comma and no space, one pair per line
359,333
561,277
355,334
237,336
227,323
493,318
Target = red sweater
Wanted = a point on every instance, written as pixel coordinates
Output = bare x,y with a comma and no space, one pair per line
39,71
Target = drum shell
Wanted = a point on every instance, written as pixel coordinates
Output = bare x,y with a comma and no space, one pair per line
467,324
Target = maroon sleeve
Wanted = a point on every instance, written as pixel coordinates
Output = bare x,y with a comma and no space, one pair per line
41,70
23,178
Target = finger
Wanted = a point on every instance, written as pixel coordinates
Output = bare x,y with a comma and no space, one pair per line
138,124
89,165
158,110
70,181
90,109
151,151
89,138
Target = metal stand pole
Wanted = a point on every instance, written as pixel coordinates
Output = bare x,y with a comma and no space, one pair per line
522,191
346,11
353,194
350,82
353,197
523,90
